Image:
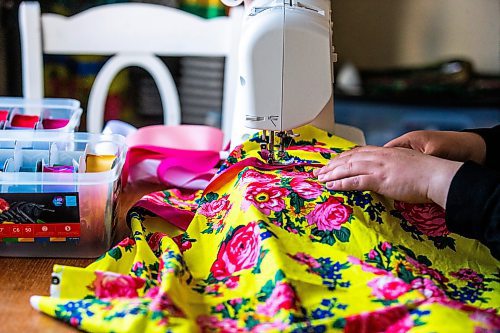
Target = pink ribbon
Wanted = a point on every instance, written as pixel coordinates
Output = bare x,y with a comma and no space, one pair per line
177,168
188,154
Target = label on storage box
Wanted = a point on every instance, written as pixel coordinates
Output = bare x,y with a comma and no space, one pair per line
39,217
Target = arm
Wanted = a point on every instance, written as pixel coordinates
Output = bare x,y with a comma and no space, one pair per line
455,146
479,145
491,138
473,205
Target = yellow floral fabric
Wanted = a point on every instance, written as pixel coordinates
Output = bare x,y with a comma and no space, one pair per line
270,249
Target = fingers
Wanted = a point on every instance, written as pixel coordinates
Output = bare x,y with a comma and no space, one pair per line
355,155
360,183
401,141
353,170
348,168
416,140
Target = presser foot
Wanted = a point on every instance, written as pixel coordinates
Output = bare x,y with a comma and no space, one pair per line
274,145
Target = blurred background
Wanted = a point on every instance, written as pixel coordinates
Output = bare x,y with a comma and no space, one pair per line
403,65
417,64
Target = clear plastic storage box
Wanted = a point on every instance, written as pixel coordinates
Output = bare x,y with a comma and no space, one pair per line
52,114
58,193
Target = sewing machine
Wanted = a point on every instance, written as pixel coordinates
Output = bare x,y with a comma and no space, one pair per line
286,70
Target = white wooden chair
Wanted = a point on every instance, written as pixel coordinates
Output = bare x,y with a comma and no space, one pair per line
133,34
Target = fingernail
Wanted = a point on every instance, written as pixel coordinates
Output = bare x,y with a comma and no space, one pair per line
329,185
321,177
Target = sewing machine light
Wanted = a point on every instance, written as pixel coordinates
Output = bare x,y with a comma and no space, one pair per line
232,3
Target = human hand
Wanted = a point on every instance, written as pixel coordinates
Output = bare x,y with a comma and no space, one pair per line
456,146
399,173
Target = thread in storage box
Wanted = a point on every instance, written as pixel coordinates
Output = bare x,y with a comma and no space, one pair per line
52,114
50,204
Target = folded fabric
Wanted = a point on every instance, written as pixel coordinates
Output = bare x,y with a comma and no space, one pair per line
270,249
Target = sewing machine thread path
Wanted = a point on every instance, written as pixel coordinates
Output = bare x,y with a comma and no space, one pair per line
286,71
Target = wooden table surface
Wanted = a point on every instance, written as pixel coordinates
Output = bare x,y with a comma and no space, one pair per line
20,278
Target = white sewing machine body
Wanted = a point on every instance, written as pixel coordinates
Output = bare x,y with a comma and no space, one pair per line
286,67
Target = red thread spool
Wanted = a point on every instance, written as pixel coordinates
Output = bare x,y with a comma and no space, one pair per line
24,121
3,115
54,123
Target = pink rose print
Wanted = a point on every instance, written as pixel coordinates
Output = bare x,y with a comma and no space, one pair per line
214,208
401,326
113,285
232,282
212,288
467,274
154,240
329,215
375,321
305,258
306,189
137,266
127,242
237,152
367,267
427,288
424,269
275,326
296,174
312,149
427,218
282,297
487,317
240,252
385,246
235,301
213,324
186,245
266,197
161,301
252,176
388,287
183,245
372,254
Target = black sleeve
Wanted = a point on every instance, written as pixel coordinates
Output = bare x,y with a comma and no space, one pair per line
492,138
473,205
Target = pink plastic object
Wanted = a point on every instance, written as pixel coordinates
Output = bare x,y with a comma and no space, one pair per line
186,155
